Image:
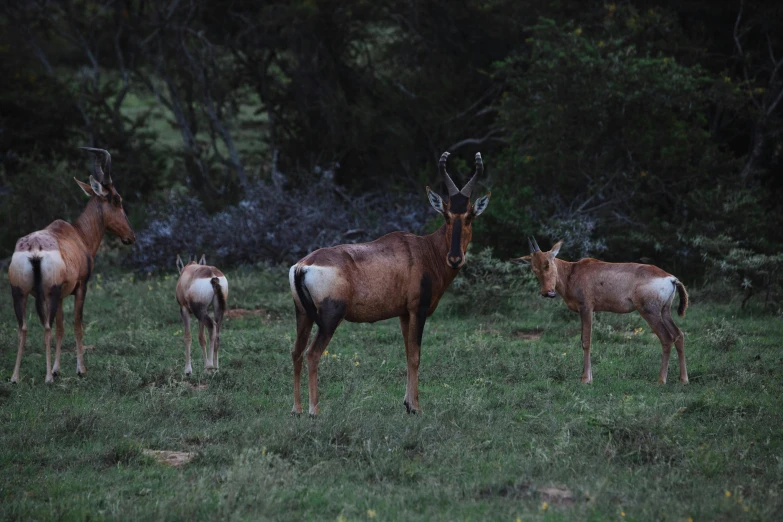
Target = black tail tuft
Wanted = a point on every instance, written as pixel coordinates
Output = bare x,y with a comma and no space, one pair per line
683,299
40,303
304,295
220,306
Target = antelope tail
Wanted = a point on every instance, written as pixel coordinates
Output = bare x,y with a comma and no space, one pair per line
40,302
304,296
220,300
683,298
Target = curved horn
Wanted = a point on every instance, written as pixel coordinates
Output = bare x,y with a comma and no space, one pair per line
450,186
101,174
535,244
530,244
468,188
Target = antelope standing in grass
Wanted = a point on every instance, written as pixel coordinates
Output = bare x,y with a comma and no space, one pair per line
590,285
399,275
57,261
199,286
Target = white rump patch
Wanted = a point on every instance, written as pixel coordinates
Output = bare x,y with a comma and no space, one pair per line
20,272
201,291
321,281
664,287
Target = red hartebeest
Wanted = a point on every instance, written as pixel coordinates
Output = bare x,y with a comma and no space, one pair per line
399,275
590,285
57,261
199,286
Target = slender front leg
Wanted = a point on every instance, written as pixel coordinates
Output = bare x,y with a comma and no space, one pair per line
413,338
78,331
20,306
304,326
59,333
185,314
587,331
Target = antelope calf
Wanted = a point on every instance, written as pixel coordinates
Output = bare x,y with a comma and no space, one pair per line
399,275
591,285
199,286
57,261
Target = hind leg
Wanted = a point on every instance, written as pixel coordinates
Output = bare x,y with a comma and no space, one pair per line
304,326
654,319
20,305
205,321
679,343
185,314
54,303
331,314
78,329
58,340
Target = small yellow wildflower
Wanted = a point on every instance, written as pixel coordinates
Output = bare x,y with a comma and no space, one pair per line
651,11
326,352
611,8
643,174
727,493
446,385
690,519
263,451
519,519
342,519
745,508
371,513
727,79
759,90
739,500
622,513
637,331
564,354
334,356
578,31
356,363
149,287
544,506
601,43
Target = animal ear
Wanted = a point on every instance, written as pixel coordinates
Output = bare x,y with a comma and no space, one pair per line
480,205
85,187
203,260
525,260
436,201
555,249
97,187
180,264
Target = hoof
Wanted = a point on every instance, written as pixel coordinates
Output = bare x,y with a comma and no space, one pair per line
55,373
684,381
187,374
81,374
410,409
49,380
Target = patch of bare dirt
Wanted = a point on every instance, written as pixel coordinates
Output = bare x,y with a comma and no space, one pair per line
556,495
238,313
175,459
529,334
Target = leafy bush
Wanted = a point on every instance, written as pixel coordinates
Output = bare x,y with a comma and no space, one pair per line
485,279
722,335
274,224
741,269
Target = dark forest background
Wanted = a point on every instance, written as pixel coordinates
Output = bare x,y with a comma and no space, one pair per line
257,131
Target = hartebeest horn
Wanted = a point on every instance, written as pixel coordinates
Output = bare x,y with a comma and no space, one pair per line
468,188
533,245
450,186
102,174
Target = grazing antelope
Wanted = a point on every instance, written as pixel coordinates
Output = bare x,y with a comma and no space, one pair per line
57,261
199,286
399,275
590,285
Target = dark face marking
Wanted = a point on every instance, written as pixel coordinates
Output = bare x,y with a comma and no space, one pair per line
425,301
458,204
17,295
455,252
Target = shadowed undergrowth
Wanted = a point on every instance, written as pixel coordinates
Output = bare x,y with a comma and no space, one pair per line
507,431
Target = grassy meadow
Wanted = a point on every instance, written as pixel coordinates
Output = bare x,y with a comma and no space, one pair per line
508,431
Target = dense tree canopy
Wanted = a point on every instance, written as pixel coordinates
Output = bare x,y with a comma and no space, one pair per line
634,130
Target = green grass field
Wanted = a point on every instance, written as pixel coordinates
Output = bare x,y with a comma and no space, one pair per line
508,431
